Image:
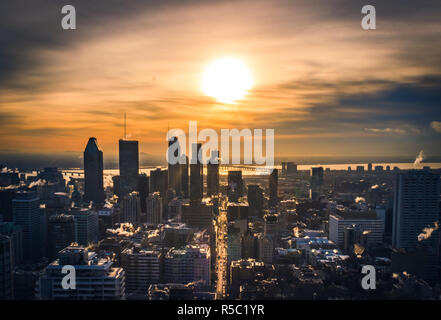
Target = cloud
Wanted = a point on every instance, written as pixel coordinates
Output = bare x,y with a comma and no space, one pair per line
322,85
436,125
385,130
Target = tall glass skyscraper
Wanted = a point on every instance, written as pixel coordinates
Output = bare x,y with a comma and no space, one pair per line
213,174
128,165
416,206
273,188
93,172
26,212
174,170
196,176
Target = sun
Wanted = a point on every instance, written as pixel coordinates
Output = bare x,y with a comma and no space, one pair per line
227,80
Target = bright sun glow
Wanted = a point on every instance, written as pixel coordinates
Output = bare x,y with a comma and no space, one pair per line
227,80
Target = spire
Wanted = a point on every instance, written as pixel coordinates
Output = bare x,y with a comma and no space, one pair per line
125,133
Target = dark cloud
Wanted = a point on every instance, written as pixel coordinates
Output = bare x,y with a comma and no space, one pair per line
29,26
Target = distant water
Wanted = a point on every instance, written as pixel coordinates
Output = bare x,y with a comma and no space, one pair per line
108,173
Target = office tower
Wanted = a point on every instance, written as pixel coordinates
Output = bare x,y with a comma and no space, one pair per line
128,165
95,277
174,170
273,188
186,265
415,224
93,173
184,178
370,167
116,186
44,221
159,181
86,225
316,182
61,230
378,168
416,206
235,186
213,174
255,199
196,175
6,267
142,268
364,221
234,243
143,188
26,212
198,215
349,238
6,197
15,234
154,208
130,206
291,168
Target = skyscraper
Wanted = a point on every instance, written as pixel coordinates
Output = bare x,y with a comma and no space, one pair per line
93,172
15,234
213,174
196,175
316,182
61,231
142,268
130,207
154,208
273,188
128,165
235,186
143,188
26,212
255,199
6,197
415,229
174,178
184,178
5,268
416,206
86,225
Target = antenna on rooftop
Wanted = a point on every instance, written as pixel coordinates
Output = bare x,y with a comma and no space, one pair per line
125,135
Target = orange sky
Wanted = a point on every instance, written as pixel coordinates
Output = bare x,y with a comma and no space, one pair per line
149,65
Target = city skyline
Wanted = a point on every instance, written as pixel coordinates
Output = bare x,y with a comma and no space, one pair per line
242,152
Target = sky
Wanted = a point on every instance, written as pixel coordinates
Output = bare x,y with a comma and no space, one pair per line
328,88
